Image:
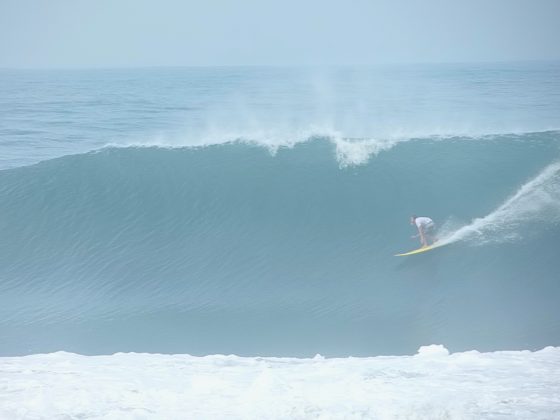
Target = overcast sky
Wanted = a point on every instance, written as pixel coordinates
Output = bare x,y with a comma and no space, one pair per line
130,33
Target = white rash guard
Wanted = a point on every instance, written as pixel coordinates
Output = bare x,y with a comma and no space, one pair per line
424,222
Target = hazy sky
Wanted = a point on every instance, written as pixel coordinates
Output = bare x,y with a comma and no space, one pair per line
115,33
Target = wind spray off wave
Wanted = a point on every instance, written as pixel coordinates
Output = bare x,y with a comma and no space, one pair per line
536,201
79,111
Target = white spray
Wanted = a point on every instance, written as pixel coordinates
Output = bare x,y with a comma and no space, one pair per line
537,200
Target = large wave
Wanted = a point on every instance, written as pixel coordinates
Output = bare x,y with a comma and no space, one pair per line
229,248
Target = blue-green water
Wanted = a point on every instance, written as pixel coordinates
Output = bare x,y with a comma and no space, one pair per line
257,211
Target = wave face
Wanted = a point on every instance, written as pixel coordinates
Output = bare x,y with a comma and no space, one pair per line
233,249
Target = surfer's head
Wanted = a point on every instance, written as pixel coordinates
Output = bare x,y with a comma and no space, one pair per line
412,219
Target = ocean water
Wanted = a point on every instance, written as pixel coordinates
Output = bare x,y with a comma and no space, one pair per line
256,211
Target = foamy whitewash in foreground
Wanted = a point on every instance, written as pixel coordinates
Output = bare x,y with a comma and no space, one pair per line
433,384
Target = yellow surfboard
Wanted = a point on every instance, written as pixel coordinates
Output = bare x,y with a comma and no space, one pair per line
420,250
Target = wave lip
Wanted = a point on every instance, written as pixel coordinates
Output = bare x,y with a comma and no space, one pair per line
432,384
349,150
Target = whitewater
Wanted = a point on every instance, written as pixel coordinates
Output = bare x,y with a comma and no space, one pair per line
219,242
432,384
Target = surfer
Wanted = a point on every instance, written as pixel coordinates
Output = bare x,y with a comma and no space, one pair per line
425,227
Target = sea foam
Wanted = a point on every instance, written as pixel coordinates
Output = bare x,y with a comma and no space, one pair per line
432,384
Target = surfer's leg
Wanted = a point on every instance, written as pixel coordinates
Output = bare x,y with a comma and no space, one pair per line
430,235
423,239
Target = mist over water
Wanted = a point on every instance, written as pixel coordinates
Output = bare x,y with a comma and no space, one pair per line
47,114
257,211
